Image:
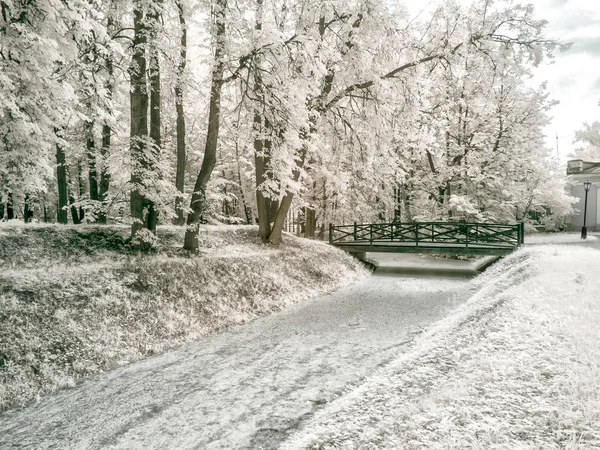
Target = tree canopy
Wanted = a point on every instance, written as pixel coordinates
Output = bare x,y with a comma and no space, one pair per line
261,111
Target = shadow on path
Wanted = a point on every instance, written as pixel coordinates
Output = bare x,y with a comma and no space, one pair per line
425,272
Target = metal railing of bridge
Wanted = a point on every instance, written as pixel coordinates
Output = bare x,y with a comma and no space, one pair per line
427,233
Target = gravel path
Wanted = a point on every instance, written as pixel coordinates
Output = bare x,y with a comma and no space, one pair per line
249,386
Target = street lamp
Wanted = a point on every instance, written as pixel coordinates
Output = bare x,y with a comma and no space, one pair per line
586,186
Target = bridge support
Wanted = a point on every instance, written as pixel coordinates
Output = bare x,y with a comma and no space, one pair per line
361,256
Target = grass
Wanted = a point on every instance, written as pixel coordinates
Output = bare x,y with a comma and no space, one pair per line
516,367
75,301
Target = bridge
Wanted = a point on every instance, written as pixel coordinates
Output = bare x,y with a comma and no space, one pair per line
457,238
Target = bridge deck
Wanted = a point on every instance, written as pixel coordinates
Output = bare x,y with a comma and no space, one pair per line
426,248
428,237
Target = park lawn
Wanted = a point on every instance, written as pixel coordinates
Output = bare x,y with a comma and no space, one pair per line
516,367
76,300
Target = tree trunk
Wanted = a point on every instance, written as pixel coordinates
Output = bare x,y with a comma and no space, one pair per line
321,235
139,203
260,159
198,205
181,151
277,230
155,132
397,203
247,210
10,211
81,186
27,213
74,213
284,207
311,223
92,174
61,178
266,207
104,173
407,202
155,119
155,107
106,136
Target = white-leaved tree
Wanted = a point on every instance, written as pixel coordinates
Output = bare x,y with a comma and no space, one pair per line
589,138
38,95
336,110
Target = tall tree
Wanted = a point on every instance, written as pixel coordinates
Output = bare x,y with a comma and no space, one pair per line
111,46
198,206
154,17
179,83
265,205
105,148
61,171
142,207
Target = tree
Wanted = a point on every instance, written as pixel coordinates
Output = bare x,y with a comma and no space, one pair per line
179,83
344,110
37,94
61,170
198,206
488,35
145,140
589,136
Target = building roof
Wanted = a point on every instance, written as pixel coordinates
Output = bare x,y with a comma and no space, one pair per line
580,167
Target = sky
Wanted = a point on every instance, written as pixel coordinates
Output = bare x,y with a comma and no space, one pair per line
574,78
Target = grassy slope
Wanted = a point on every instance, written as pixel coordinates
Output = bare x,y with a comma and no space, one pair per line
516,367
75,301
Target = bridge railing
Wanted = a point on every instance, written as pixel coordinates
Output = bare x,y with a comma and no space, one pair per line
444,233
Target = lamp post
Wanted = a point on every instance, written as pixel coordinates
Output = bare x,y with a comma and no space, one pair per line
586,186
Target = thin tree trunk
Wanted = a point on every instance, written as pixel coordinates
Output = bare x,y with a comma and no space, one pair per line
26,210
10,211
92,173
81,186
139,123
106,139
104,173
311,222
198,205
407,201
247,210
181,150
155,116
155,106
397,204
155,132
74,214
61,178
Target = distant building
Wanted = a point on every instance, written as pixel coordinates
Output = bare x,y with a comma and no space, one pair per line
580,171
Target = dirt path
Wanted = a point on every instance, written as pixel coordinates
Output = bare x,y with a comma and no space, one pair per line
247,387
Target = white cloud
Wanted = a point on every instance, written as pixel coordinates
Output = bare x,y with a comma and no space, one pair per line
574,78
